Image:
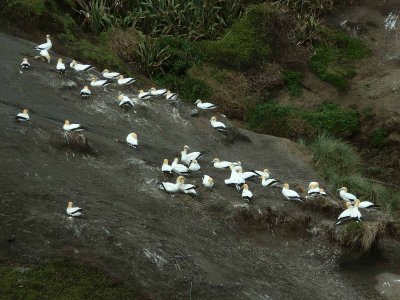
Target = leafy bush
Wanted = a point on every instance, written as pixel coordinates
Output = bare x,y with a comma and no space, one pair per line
378,137
333,59
27,8
293,83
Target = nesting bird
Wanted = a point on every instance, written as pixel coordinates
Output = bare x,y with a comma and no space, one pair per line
25,65
45,46
345,195
187,188
268,182
217,125
351,213
132,140
290,194
367,205
125,81
179,168
99,82
313,189
246,193
160,92
186,158
245,175
60,66
23,117
208,181
235,178
144,95
172,187
166,168
125,101
73,211
264,173
205,106
72,127
110,75
171,96
194,166
223,164
322,192
80,67
85,92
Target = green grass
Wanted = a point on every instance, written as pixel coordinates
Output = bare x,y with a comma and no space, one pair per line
59,279
334,58
27,8
379,137
293,83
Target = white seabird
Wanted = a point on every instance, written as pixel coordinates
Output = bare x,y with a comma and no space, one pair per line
25,64
186,158
85,92
223,164
80,67
313,189
268,182
205,105
73,211
187,188
290,194
208,181
345,195
172,187
72,127
313,183
60,66
45,46
179,168
246,193
245,175
171,96
125,81
125,101
194,166
166,168
144,95
102,82
322,192
217,125
43,55
367,205
24,116
160,92
235,178
110,75
351,213
132,140
264,173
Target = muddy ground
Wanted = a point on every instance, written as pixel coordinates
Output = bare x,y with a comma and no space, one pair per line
171,247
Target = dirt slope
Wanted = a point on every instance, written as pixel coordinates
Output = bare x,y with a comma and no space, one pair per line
173,247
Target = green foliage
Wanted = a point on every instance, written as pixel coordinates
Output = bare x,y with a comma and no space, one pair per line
59,279
28,8
95,13
333,59
379,137
293,83
332,119
244,45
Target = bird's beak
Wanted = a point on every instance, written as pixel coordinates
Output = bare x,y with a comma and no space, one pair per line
339,190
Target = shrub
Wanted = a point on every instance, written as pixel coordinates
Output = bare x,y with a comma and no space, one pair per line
293,83
379,137
28,8
333,58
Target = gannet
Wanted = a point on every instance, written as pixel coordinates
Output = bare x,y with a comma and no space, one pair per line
345,195
80,67
73,211
45,46
351,213
367,205
44,55
223,164
186,158
125,81
172,187
132,140
264,173
166,168
60,66
110,75
322,192
124,101
235,178
217,125
144,95
245,175
194,166
25,64
270,182
313,183
72,127
290,194
246,193
187,188
102,82
205,105
171,96
179,168
85,92
154,92
313,189
208,181
24,116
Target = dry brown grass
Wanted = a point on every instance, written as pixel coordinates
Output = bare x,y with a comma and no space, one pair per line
74,141
124,43
268,78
